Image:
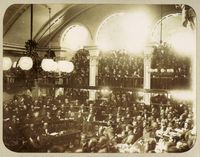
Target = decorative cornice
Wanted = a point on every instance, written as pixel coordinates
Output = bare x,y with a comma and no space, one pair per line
58,16
60,27
20,48
13,47
14,18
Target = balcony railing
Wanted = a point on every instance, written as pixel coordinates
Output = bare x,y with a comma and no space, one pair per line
10,81
170,83
67,81
83,82
129,82
137,82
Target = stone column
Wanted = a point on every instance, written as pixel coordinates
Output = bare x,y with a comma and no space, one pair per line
36,89
147,74
93,69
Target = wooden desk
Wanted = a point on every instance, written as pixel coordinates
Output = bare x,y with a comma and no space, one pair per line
61,138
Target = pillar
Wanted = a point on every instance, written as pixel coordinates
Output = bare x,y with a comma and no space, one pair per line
36,89
147,74
93,69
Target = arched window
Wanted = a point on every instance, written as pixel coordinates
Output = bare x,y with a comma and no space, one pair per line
182,39
127,31
75,37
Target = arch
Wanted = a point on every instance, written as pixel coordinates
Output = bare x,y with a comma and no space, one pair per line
54,20
75,37
14,17
156,29
103,23
182,39
60,27
123,30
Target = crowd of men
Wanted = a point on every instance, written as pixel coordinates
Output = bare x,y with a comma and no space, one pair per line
116,123
120,64
163,59
119,68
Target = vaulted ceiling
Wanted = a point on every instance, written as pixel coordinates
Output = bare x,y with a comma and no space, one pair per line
16,23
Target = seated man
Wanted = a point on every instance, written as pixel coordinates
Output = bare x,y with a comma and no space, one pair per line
118,128
89,122
161,131
32,138
179,147
161,146
84,145
11,135
103,145
109,131
92,145
44,130
48,117
110,118
150,146
130,137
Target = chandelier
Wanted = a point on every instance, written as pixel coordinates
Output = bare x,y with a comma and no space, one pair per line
161,47
7,63
31,60
26,62
30,57
49,64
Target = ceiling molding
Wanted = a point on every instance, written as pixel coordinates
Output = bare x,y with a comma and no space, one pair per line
14,18
53,21
19,49
13,47
65,23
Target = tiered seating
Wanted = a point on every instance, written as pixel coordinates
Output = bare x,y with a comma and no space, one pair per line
174,71
120,69
120,119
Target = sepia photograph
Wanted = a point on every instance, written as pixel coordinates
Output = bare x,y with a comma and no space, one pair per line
99,78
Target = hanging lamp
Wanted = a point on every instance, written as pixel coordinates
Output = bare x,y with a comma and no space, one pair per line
7,63
26,62
48,64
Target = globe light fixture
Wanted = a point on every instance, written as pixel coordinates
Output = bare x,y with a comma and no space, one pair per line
7,63
170,70
70,67
162,70
65,66
54,66
156,70
25,63
48,65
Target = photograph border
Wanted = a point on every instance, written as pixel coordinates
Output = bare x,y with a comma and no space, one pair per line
195,4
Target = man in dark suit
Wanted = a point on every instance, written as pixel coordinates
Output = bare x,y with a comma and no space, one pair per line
32,138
